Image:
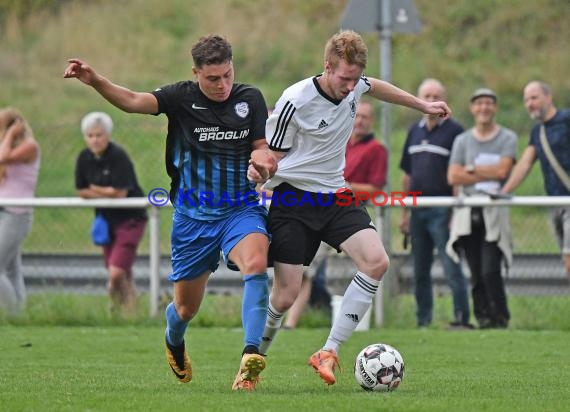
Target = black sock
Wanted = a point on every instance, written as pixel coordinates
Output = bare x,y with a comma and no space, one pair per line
250,349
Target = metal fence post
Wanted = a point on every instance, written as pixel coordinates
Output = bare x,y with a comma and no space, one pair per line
379,298
154,260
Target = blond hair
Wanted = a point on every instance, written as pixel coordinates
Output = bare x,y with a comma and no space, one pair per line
346,45
8,116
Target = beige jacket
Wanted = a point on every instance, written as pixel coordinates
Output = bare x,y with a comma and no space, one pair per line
497,228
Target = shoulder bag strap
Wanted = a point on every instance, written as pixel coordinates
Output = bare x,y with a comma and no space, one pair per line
562,175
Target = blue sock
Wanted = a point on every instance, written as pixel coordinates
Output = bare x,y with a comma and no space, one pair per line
175,327
254,308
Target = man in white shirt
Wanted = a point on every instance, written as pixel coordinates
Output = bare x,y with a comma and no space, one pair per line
308,132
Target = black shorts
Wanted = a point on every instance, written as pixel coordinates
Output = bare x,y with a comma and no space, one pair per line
300,220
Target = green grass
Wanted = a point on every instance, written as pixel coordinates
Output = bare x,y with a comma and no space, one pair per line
123,368
72,309
66,353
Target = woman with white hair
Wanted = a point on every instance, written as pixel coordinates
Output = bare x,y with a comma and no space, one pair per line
19,167
104,170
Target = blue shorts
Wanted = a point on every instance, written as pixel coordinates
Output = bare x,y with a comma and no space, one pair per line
196,244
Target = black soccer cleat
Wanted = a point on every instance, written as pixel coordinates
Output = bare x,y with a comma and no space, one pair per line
179,362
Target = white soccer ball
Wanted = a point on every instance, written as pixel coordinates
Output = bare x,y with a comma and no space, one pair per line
379,367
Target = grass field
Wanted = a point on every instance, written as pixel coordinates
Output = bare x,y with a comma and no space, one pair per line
123,368
67,353
80,310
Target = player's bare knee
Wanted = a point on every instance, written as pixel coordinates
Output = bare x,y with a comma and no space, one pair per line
186,312
380,269
284,303
285,299
375,266
255,264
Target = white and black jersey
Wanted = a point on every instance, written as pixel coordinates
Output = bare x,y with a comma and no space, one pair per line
313,129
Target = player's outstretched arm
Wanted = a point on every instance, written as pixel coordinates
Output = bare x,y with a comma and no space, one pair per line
125,99
387,92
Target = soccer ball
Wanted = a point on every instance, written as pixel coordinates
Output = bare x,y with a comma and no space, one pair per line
379,367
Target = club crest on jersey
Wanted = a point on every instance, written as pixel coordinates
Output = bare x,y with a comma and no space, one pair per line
242,109
352,104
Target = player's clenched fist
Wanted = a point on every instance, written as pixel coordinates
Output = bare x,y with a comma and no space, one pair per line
262,166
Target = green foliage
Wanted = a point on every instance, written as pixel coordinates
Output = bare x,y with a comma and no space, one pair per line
21,9
497,44
143,44
124,368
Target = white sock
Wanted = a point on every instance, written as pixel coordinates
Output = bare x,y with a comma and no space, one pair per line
272,325
356,301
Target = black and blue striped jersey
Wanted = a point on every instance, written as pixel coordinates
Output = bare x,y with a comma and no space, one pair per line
208,147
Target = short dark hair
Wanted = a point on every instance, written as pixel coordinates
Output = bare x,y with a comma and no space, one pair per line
211,49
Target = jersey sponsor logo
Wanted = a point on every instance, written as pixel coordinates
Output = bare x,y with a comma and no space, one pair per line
229,135
322,124
206,129
214,133
198,107
242,109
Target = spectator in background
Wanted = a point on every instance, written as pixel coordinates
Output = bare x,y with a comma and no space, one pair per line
365,171
366,158
19,167
424,161
104,170
481,160
554,125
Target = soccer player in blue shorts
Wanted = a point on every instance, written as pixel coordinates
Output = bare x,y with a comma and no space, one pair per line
215,126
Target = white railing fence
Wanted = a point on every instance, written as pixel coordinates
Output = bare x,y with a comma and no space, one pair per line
154,222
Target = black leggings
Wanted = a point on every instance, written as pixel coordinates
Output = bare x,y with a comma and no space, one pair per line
488,288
